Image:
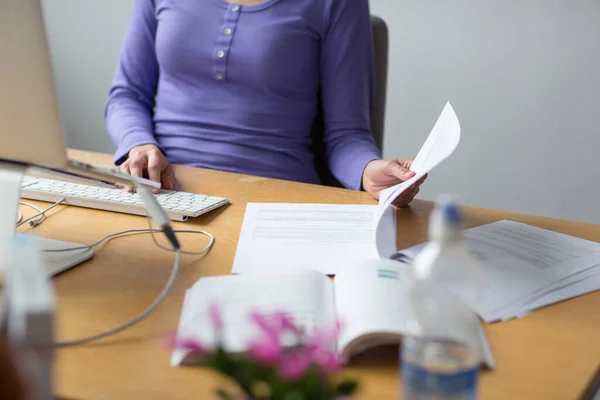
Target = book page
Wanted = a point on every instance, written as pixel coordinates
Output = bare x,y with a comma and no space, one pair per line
323,237
307,296
371,303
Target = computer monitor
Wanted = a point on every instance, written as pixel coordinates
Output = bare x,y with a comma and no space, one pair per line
31,132
30,126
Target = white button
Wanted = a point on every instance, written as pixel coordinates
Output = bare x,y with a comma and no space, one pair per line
227,31
235,8
220,54
219,76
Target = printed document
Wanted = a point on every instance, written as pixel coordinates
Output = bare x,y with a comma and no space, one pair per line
525,266
326,237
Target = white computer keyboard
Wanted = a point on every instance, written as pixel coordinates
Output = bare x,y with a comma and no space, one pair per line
179,205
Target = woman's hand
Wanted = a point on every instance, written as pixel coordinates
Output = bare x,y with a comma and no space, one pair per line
147,161
381,174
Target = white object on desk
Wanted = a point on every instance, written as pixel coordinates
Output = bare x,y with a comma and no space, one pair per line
323,237
178,205
526,267
28,317
57,262
10,178
369,297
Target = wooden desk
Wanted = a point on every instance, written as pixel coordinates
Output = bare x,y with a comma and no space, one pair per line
550,354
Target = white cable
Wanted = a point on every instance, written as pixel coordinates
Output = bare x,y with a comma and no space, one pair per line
139,231
19,216
139,317
36,208
168,286
161,296
40,215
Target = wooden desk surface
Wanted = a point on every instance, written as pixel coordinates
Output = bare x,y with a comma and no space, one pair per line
550,354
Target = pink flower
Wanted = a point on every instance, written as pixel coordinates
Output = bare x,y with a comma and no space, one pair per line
285,323
270,326
191,345
266,351
215,317
321,347
274,324
324,339
327,361
263,324
294,365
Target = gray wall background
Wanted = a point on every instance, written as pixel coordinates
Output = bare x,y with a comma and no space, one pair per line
85,39
522,75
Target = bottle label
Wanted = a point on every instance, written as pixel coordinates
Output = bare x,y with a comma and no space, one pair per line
421,383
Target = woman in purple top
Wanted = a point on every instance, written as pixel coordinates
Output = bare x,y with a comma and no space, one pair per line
235,87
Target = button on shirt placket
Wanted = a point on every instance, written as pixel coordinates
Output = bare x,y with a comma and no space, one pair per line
225,37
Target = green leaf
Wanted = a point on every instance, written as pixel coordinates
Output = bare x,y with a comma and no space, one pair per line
346,387
293,395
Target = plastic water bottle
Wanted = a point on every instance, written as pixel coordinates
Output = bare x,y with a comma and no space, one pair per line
440,355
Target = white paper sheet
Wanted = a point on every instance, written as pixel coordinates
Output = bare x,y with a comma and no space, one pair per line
440,144
522,264
585,285
577,284
520,260
324,237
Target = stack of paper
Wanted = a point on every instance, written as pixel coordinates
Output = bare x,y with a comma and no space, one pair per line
525,268
325,237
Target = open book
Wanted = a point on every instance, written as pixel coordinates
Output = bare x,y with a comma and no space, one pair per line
369,298
325,237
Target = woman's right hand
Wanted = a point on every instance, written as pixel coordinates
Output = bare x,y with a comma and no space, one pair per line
147,161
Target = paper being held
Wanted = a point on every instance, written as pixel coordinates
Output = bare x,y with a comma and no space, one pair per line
440,144
327,237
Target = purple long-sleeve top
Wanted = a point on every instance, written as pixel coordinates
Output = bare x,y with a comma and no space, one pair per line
235,87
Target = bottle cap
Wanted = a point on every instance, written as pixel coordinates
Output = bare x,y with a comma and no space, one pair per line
446,220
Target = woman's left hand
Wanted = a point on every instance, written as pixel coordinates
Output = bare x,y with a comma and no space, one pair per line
381,174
